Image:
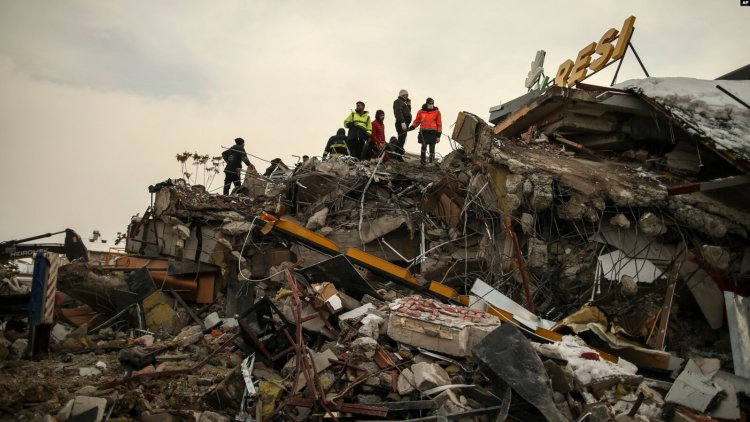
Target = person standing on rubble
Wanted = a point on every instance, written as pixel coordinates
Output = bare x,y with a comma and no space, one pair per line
376,145
360,128
402,111
336,145
430,127
234,156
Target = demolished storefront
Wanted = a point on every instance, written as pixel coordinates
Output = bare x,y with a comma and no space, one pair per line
582,257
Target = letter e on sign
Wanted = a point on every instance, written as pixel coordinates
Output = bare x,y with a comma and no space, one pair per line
582,63
562,73
622,42
604,49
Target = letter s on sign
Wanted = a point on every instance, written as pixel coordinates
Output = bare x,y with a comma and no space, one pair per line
562,73
604,49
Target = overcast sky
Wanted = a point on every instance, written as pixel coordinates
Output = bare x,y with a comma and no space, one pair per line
97,98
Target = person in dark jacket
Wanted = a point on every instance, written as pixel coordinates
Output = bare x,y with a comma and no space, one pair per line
402,111
234,156
430,127
275,164
336,145
377,139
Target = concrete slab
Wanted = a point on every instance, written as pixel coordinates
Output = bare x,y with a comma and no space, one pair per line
452,330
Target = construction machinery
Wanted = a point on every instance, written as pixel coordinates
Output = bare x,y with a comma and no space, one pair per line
39,303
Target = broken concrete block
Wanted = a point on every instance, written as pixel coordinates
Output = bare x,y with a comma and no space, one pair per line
429,375
356,313
89,371
541,198
573,209
442,328
537,254
189,335
19,346
317,220
64,413
450,402
321,361
527,223
620,221
406,382
628,285
700,220
715,256
59,332
371,326
652,225
92,407
365,346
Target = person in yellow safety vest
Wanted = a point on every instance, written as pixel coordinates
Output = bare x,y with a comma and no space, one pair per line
360,129
336,145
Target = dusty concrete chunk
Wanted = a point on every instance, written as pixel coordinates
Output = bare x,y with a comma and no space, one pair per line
371,326
317,220
628,285
573,209
620,221
189,335
429,375
406,382
537,253
651,224
541,198
356,313
716,256
84,404
19,346
366,346
527,223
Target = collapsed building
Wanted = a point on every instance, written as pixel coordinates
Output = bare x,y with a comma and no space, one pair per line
582,256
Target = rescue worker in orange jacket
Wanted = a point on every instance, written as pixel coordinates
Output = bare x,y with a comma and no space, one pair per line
430,125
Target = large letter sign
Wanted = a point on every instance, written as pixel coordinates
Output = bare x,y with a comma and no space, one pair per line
569,73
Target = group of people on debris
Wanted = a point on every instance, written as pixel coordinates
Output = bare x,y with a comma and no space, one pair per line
366,137
365,140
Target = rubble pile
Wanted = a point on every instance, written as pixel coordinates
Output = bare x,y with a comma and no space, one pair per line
553,266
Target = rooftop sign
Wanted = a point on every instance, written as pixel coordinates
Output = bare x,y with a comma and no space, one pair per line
569,72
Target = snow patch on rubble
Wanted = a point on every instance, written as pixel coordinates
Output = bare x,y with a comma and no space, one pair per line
703,109
584,370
